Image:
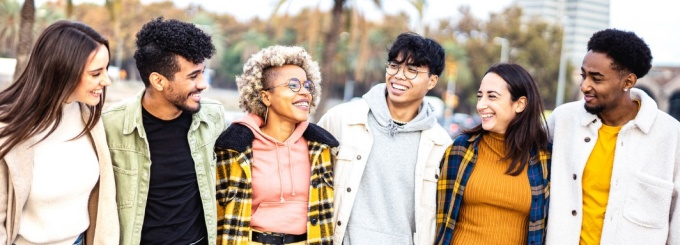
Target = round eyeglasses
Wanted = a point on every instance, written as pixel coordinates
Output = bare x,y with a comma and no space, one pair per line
295,85
410,72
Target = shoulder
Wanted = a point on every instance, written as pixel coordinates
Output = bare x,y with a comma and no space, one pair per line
210,103
318,134
355,106
115,112
568,109
464,139
237,137
666,123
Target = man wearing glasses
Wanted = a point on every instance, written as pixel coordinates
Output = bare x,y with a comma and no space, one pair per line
387,165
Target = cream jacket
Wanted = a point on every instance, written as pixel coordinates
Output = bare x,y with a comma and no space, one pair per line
16,170
348,123
643,197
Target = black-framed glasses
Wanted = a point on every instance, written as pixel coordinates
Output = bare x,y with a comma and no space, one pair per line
295,85
410,72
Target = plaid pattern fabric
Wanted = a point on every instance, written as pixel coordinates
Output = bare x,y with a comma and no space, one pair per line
234,195
457,166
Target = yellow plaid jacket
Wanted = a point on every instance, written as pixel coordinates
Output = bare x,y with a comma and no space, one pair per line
234,187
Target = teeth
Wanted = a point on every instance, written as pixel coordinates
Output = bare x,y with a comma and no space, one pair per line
399,87
98,91
487,115
301,104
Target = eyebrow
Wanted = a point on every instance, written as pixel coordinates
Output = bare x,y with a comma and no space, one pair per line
96,70
196,72
592,73
488,92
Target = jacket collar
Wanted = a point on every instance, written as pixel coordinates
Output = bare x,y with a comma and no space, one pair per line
644,118
132,118
239,137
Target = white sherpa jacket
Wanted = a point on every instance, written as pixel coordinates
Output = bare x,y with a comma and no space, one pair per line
643,199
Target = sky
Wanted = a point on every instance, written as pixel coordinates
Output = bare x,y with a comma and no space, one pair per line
656,21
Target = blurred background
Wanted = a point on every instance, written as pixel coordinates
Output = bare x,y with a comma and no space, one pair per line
350,38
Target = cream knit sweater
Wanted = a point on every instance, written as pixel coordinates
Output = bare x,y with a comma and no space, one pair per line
65,172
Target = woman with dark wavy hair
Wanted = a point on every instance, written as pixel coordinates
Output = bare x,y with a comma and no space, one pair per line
495,177
56,177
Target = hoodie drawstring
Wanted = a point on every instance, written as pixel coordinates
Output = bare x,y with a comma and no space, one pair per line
290,165
278,163
393,127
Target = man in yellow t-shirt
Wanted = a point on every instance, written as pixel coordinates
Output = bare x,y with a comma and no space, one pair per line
615,173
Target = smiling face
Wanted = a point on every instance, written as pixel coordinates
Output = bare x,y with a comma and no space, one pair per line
94,78
495,105
404,92
184,91
602,86
284,104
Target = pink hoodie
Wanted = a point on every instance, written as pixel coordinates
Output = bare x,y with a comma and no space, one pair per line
276,167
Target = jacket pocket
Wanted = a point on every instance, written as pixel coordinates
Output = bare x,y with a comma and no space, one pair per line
429,190
126,186
344,162
648,202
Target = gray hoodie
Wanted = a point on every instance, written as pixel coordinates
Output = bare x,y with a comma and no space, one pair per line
384,208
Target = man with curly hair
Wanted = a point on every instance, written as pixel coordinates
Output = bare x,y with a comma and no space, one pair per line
161,141
387,166
616,156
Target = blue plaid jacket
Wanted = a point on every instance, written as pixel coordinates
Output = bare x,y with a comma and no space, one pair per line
457,166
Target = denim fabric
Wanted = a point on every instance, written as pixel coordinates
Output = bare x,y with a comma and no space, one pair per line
80,240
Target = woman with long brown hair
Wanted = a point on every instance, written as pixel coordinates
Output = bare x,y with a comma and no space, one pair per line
56,177
493,188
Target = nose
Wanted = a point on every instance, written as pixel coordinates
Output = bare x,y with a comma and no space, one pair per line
400,73
201,84
106,81
585,85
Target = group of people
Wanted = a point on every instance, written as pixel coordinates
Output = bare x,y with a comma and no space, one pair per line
164,167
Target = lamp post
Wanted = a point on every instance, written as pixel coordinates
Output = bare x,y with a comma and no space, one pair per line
505,48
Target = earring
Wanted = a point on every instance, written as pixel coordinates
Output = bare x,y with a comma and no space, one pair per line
265,115
625,89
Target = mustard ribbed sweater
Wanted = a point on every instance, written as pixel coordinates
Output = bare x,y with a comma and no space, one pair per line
496,206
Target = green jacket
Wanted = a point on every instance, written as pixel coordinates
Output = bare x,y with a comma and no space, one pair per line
132,163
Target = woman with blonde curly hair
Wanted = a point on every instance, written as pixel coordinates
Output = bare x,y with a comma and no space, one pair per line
274,173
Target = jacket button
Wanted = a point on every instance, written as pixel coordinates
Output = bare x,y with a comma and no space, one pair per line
574,176
339,223
573,212
587,139
358,157
349,189
436,176
314,221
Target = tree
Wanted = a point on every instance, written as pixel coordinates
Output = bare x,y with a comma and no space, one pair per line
10,17
25,36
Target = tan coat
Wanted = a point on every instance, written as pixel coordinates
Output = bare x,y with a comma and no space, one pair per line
15,185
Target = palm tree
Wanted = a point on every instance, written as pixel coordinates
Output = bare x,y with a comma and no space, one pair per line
25,36
9,15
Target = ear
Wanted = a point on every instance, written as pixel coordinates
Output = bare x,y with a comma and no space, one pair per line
629,81
156,81
432,81
265,98
520,104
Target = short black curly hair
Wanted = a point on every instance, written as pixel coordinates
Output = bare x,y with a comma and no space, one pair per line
628,52
160,40
419,51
